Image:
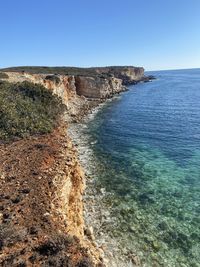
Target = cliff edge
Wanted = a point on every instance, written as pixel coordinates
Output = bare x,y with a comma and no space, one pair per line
66,82
42,182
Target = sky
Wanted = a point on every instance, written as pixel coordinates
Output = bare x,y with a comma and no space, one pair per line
155,34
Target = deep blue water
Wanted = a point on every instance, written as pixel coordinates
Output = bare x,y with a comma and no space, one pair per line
147,143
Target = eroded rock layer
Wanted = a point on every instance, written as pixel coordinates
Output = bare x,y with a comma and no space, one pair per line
96,87
98,83
42,183
41,207
127,74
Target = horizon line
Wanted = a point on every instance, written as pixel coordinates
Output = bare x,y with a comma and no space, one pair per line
65,66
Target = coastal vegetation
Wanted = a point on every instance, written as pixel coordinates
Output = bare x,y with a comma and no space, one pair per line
3,75
27,109
93,71
53,78
54,70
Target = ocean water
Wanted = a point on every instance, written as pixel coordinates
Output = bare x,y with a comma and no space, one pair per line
146,145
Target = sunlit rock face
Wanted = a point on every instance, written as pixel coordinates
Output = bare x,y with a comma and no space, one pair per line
97,87
61,85
127,74
101,84
68,86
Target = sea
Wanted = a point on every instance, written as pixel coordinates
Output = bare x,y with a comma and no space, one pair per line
144,150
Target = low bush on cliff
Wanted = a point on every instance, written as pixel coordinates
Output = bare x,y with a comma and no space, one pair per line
53,78
27,109
54,70
3,75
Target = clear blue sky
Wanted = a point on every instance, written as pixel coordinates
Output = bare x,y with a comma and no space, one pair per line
156,34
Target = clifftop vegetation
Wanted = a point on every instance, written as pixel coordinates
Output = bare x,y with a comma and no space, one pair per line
3,75
93,71
53,70
27,109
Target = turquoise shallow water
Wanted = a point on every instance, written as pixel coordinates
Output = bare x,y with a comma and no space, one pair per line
147,145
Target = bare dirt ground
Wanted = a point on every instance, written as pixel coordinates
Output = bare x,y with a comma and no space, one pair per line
32,230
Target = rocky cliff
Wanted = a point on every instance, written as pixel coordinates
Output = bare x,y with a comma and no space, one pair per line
101,82
98,83
67,86
41,207
76,85
61,85
98,87
128,74
45,227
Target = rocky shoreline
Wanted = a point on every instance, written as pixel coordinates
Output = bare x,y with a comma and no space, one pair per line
96,211
97,214
63,177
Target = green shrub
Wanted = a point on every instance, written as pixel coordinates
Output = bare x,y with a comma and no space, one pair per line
54,70
27,109
3,75
53,78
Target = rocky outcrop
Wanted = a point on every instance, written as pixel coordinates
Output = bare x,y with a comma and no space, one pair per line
127,74
86,83
68,87
46,226
61,85
98,87
93,83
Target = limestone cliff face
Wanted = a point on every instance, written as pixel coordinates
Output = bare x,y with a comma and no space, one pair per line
100,83
127,74
72,87
97,87
61,85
